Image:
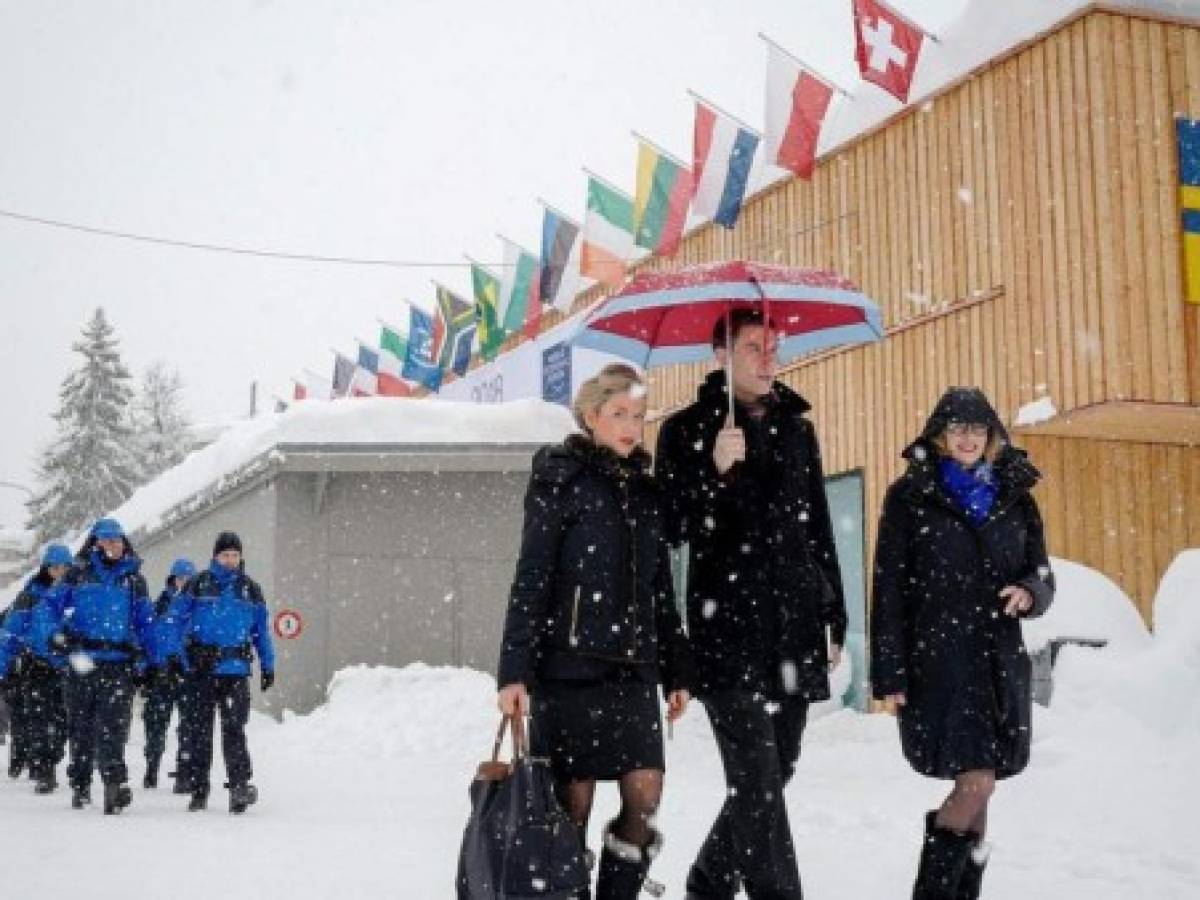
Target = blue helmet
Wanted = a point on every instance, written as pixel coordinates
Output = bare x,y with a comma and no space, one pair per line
182,568
57,555
107,529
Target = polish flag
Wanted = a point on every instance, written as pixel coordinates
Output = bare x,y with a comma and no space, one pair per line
886,46
796,105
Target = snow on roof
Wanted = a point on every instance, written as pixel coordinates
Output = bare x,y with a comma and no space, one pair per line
365,420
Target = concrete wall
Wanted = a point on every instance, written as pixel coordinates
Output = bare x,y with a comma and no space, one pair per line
392,568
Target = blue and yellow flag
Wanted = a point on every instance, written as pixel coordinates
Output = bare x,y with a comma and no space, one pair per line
1189,199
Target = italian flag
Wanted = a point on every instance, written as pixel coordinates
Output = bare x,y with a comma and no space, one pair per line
607,234
660,203
519,288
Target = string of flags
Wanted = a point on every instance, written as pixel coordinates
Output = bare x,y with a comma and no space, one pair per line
574,256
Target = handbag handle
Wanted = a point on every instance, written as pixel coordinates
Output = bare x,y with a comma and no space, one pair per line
520,748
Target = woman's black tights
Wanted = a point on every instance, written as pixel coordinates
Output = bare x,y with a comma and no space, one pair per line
640,790
966,807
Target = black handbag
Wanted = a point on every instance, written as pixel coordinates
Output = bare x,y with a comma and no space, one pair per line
519,842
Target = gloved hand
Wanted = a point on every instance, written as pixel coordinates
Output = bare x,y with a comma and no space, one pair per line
174,669
266,680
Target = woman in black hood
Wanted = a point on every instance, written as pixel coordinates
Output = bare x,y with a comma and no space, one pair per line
592,628
960,559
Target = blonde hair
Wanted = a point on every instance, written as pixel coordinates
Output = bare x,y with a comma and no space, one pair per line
990,453
613,379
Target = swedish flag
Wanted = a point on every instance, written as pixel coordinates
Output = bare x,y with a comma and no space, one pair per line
1189,199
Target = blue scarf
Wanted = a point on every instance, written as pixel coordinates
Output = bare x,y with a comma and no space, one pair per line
974,489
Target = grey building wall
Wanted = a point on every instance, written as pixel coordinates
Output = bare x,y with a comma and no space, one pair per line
389,568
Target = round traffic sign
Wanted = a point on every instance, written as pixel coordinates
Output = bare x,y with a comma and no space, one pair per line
288,624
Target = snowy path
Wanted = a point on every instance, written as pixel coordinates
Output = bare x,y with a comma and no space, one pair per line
366,798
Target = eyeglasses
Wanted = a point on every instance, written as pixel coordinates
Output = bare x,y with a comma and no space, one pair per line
964,429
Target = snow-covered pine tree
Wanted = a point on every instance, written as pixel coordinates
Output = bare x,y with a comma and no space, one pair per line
90,468
161,427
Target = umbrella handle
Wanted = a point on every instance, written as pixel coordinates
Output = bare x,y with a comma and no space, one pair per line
729,421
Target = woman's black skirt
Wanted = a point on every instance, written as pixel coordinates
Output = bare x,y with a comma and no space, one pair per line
596,729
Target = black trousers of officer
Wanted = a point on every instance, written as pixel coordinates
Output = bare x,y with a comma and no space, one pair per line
99,709
46,712
205,697
751,841
162,694
18,721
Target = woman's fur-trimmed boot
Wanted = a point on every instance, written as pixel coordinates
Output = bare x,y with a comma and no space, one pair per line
623,866
944,855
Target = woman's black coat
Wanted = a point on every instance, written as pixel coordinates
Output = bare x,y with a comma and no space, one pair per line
939,633
593,583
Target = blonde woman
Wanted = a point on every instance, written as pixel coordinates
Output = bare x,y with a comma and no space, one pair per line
960,559
592,627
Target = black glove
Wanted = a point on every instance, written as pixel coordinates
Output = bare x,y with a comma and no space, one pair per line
266,680
174,671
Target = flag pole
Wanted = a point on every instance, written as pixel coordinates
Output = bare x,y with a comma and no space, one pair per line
608,184
558,212
806,67
657,147
723,112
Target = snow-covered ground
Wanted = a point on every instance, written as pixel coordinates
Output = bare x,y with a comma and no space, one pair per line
366,797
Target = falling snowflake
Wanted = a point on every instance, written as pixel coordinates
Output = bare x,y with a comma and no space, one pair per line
708,609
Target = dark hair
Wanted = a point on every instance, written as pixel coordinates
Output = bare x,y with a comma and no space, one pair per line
739,318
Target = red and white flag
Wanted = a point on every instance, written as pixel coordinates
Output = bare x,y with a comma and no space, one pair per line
886,46
796,105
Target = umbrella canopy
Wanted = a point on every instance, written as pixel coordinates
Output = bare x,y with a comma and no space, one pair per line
662,318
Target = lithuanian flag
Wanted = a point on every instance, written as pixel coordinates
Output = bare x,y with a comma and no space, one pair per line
660,204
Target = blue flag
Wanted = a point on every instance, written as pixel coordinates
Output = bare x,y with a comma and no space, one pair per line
419,364
462,351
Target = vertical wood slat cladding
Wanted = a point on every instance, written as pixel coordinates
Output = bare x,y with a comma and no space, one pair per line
1052,175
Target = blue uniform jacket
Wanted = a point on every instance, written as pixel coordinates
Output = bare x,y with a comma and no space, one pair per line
222,612
32,621
106,607
162,644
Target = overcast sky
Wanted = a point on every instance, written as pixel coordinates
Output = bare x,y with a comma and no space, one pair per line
401,130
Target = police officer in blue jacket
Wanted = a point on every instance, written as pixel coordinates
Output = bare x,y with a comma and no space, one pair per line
32,621
164,672
107,617
221,618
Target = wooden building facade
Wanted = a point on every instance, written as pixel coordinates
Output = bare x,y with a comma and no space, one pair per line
1020,229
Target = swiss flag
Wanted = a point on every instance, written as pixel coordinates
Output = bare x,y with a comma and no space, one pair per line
886,46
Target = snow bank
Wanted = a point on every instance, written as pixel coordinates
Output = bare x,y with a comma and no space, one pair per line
1154,687
365,420
1087,604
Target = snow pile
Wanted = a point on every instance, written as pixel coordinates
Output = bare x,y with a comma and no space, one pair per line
1042,410
1087,604
382,711
365,420
1155,687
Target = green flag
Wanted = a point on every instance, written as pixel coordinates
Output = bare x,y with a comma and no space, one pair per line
487,298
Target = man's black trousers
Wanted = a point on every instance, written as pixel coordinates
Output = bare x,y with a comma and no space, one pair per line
99,707
750,843
204,697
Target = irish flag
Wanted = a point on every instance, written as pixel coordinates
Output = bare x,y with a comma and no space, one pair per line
607,233
393,347
519,288
660,203
722,154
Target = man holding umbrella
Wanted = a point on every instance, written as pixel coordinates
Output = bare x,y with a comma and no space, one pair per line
765,611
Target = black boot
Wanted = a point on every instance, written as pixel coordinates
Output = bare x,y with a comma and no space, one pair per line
81,796
150,780
116,797
46,780
971,882
241,796
623,866
943,856
199,800
15,765
183,784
